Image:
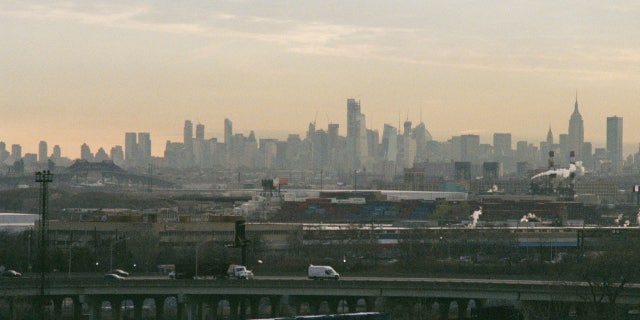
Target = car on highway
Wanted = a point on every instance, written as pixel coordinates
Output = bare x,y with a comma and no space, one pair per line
113,276
177,275
11,274
120,272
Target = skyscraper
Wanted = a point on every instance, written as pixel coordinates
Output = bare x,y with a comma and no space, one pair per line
16,152
469,146
57,153
188,135
501,144
614,143
130,147
575,136
353,111
389,143
85,152
356,133
200,132
144,147
188,143
228,131
42,152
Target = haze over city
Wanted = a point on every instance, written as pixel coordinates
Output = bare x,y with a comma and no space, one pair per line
87,72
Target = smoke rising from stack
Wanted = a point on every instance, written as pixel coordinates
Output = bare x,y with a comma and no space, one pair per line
576,168
474,218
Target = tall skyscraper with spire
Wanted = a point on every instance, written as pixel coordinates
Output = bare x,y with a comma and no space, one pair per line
575,138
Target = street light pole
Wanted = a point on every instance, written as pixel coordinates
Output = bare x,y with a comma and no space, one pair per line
44,178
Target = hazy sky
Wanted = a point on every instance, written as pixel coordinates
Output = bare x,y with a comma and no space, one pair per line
74,72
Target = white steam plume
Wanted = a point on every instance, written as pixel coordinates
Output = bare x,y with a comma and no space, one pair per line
616,221
474,217
528,216
563,173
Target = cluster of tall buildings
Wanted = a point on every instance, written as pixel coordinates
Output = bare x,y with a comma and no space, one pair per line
362,149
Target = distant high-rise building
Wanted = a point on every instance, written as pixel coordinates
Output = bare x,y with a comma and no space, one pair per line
389,143
188,143
469,146
332,132
130,147
422,136
42,152
550,137
57,153
200,132
4,154
353,111
85,152
501,144
373,140
101,155
614,143
311,131
188,135
16,152
407,147
362,150
228,131
356,133
117,155
576,133
144,147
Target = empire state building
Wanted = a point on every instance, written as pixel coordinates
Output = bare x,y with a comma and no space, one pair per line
576,133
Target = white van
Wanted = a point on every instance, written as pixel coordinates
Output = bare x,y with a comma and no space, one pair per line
322,272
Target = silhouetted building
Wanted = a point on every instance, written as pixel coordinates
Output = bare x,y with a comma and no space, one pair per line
614,143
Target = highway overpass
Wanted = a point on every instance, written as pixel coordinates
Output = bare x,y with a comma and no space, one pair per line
195,297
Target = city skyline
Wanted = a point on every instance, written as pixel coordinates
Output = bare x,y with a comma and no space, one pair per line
77,72
627,147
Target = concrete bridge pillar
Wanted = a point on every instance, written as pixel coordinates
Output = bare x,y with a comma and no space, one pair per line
233,308
159,304
370,303
116,303
445,304
137,307
77,307
276,304
57,307
192,310
95,304
352,304
243,307
12,308
314,305
333,305
214,303
180,310
254,303
463,305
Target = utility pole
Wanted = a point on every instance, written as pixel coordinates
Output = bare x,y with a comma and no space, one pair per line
44,178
